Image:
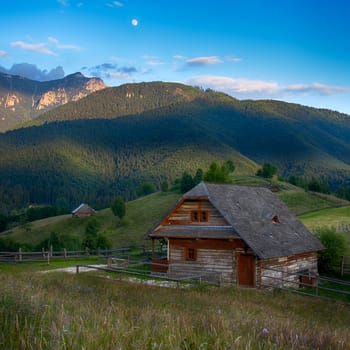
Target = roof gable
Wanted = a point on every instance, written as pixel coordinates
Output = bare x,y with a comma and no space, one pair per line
252,212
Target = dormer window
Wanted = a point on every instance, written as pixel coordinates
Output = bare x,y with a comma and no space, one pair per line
275,220
199,216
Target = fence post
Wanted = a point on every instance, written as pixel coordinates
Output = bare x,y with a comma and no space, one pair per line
43,252
65,253
48,258
51,250
87,251
342,266
20,254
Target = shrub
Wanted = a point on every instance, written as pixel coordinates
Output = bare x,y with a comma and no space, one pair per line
335,247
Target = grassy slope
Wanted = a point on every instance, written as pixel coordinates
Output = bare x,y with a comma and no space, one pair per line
142,213
330,217
61,311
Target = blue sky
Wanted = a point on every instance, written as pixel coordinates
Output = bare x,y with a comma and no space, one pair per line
291,50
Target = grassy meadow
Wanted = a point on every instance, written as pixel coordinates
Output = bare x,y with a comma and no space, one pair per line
141,214
99,311
144,212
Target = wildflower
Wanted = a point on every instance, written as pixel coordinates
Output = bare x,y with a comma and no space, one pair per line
265,331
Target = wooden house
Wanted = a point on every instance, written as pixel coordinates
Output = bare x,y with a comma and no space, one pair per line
83,211
245,235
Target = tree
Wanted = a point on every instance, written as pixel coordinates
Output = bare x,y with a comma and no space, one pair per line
3,222
118,207
91,231
219,173
103,242
165,186
267,171
145,189
198,177
186,182
335,247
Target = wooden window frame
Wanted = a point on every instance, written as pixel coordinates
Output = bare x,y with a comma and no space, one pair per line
199,215
190,254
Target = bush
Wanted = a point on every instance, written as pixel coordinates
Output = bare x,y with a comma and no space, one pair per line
335,247
267,171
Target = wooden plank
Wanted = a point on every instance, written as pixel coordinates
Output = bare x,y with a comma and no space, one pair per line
219,244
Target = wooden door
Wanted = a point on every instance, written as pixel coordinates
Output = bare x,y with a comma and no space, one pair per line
246,270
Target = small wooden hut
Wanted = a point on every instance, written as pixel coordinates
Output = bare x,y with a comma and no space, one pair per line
247,235
83,211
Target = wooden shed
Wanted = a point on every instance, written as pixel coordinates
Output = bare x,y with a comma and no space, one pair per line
83,211
246,235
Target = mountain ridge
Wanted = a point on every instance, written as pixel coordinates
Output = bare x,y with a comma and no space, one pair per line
23,99
115,139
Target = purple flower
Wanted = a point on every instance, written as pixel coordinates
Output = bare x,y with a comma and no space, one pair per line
265,331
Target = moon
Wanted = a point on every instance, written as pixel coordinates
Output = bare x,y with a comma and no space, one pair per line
134,22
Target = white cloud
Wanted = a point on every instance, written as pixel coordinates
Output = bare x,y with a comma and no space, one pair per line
179,57
63,2
231,85
316,88
119,75
260,88
31,71
41,48
232,59
155,63
203,60
115,4
63,46
3,53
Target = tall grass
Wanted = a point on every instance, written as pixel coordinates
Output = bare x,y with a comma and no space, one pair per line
90,311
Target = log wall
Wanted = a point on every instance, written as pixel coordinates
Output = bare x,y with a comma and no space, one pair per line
270,272
182,214
213,257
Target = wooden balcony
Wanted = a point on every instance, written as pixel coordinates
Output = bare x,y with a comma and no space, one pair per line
160,265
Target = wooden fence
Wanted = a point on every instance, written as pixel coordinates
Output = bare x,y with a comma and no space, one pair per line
47,255
325,287
345,266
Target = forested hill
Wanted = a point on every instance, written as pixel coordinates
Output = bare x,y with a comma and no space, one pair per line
128,99
118,138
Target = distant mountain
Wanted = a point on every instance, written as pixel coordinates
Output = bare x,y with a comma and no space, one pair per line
115,139
22,99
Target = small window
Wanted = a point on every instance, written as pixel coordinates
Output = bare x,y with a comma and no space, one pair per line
191,254
195,216
204,216
199,216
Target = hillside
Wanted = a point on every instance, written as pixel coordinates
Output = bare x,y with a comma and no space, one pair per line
22,99
143,213
115,139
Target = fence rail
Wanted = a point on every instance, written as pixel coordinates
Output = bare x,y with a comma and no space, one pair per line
146,268
47,255
345,266
325,287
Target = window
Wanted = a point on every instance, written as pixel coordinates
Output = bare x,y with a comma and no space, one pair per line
191,254
195,216
275,219
204,216
199,216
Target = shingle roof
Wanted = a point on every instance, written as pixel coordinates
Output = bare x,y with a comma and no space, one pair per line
181,231
250,212
83,208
